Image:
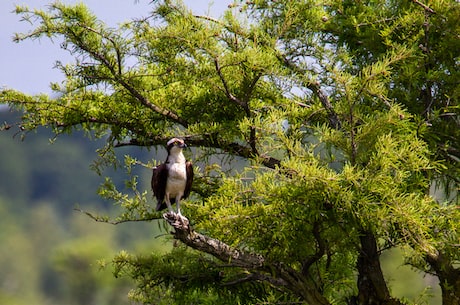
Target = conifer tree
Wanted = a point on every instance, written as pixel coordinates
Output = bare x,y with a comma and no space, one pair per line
346,112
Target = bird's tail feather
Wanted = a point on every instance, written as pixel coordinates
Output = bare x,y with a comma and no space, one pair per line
162,205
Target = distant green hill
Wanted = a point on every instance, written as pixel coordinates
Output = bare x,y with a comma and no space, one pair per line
33,170
49,252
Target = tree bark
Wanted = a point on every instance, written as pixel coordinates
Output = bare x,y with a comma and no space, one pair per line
372,288
216,248
449,278
275,274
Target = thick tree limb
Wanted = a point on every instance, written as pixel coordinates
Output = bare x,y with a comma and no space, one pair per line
449,277
284,277
216,248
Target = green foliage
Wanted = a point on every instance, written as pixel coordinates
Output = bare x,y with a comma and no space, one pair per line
203,282
347,113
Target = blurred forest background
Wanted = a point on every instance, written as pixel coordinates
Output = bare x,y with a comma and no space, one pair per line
52,254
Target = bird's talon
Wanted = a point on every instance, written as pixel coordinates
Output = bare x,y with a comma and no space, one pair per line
176,220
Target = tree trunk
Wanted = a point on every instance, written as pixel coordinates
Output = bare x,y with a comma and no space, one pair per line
372,288
449,278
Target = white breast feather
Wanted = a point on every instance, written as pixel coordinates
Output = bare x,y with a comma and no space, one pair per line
177,176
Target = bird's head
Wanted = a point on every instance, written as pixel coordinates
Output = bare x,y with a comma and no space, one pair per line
175,145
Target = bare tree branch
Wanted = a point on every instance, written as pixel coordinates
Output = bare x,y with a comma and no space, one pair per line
118,77
115,222
319,252
211,141
146,102
425,7
212,246
262,270
324,99
229,95
334,120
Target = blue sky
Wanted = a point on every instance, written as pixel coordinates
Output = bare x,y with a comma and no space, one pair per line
28,66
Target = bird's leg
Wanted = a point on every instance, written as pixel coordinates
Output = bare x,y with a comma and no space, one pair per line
176,220
168,203
178,205
183,219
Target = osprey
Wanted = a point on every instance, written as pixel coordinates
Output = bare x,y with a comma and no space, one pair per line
172,180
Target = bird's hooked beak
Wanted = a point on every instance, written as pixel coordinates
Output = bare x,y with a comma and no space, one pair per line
175,142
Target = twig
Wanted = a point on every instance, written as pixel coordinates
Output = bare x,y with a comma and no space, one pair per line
229,95
315,87
425,7
114,222
209,18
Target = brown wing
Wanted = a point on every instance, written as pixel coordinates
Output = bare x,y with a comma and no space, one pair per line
159,178
189,173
